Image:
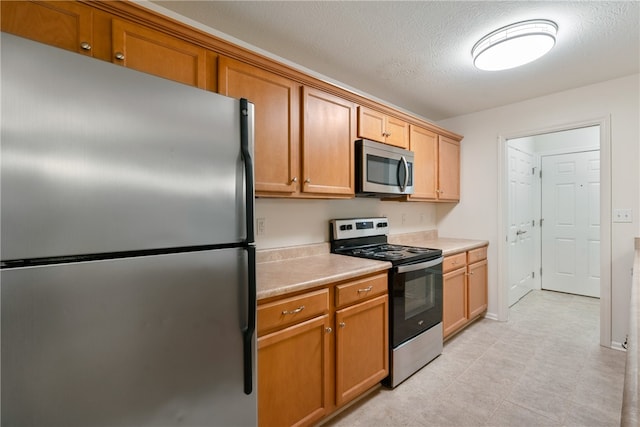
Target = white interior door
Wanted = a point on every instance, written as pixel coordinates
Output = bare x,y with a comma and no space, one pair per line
521,216
571,228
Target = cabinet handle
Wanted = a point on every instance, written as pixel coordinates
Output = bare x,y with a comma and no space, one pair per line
119,56
342,324
367,289
297,310
307,181
85,46
329,330
470,274
294,179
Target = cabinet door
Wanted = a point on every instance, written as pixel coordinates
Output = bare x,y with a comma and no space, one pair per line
477,288
327,144
397,132
64,24
293,373
362,347
424,145
371,124
159,54
454,310
448,169
276,122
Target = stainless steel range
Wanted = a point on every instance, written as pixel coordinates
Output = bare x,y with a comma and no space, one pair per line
415,291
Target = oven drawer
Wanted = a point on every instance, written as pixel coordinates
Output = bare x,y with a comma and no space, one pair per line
476,255
454,262
361,290
292,310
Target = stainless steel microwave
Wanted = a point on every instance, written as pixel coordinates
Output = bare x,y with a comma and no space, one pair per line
382,170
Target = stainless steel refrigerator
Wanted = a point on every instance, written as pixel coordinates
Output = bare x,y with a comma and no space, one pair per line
128,261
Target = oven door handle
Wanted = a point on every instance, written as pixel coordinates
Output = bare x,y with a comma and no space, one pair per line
420,265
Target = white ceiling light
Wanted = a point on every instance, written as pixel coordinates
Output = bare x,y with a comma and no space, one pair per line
514,45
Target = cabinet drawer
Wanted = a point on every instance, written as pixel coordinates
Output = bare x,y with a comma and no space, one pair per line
476,255
453,262
361,290
292,310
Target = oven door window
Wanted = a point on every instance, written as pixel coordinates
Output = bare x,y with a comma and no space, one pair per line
417,302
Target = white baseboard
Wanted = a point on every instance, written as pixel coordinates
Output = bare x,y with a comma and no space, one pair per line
491,316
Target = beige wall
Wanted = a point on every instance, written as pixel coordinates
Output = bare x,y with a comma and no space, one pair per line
298,222
476,216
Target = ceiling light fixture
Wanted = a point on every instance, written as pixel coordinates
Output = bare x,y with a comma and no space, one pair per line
514,45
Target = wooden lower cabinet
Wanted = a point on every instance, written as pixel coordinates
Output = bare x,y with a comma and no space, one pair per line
362,356
465,283
293,387
477,288
309,367
454,297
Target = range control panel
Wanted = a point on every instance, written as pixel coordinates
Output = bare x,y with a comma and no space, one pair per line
358,227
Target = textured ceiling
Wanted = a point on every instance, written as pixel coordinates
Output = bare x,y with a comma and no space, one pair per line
416,54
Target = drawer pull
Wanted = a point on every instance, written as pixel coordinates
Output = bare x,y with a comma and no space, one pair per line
297,310
367,289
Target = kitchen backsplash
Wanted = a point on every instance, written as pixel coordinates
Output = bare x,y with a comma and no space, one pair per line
282,222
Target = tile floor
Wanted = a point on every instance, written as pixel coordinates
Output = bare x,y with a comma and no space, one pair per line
544,367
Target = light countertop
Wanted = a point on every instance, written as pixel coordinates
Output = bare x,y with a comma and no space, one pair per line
286,270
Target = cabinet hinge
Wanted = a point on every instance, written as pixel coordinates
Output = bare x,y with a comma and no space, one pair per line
541,221
533,222
541,271
533,274
540,173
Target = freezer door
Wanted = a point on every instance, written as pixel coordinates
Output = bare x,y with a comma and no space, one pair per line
152,341
97,158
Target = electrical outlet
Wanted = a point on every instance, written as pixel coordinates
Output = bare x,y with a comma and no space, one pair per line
622,215
261,225
423,217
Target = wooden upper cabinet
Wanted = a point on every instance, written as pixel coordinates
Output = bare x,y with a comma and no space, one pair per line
448,169
436,166
327,144
156,53
64,24
379,127
276,122
424,145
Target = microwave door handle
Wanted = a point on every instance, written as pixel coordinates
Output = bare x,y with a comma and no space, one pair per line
419,266
406,173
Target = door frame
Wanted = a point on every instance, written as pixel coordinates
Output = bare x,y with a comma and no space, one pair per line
605,218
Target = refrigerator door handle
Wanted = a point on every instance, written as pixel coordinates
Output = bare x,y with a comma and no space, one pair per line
245,111
248,331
